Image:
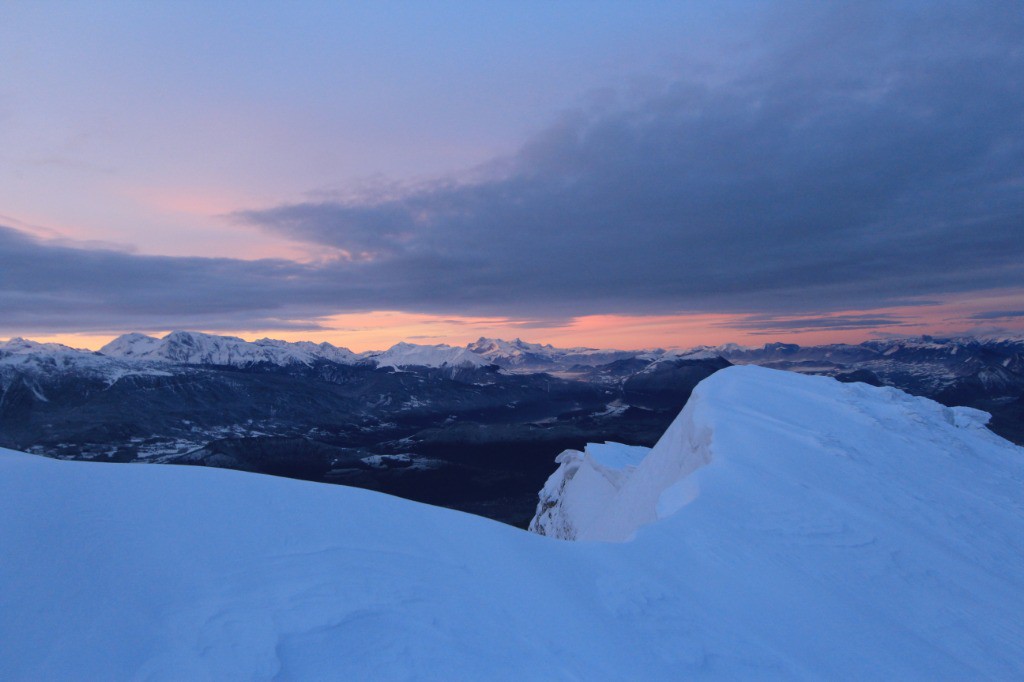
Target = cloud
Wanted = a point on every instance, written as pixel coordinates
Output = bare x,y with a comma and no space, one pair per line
769,324
869,157
854,157
997,315
50,286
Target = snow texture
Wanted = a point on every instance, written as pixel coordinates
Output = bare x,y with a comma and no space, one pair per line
584,483
785,527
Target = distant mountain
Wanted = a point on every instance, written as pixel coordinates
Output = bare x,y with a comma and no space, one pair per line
955,371
520,355
964,369
21,359
413,355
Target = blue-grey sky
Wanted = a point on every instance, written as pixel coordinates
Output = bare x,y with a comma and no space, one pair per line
742,168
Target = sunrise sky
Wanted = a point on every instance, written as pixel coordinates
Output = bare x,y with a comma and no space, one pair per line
581,173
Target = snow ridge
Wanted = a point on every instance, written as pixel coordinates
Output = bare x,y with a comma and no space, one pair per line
745,416
582,485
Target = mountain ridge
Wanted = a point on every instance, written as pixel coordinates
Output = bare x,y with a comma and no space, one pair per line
199,348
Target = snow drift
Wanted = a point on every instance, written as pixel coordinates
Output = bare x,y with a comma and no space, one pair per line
779,426
581,488
785,527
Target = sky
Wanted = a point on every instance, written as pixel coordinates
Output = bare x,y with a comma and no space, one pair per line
581,173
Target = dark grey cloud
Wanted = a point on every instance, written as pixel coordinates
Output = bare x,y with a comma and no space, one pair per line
868,157
770,324
998,315
51,287
853,157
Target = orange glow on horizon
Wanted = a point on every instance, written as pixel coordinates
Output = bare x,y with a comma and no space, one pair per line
381,329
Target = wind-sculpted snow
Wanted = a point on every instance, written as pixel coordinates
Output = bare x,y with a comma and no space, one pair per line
741,419
584,483
786,527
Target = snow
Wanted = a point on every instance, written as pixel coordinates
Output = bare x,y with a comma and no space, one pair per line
403,461
196,348
697,353
440,355
521,355
584,483
23,357
795,413
133,345
382,461
613,409
138,354
824,531
307,351
513,352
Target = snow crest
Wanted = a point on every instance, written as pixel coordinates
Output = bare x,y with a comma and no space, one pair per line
582,485
752,417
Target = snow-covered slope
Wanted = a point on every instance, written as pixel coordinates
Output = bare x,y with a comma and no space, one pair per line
415,355
833,532
134,346
195,348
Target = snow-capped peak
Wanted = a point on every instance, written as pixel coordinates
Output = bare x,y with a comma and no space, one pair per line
20,346
484,345
311,351
703,353
34,358
519,354
132,345
414,355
